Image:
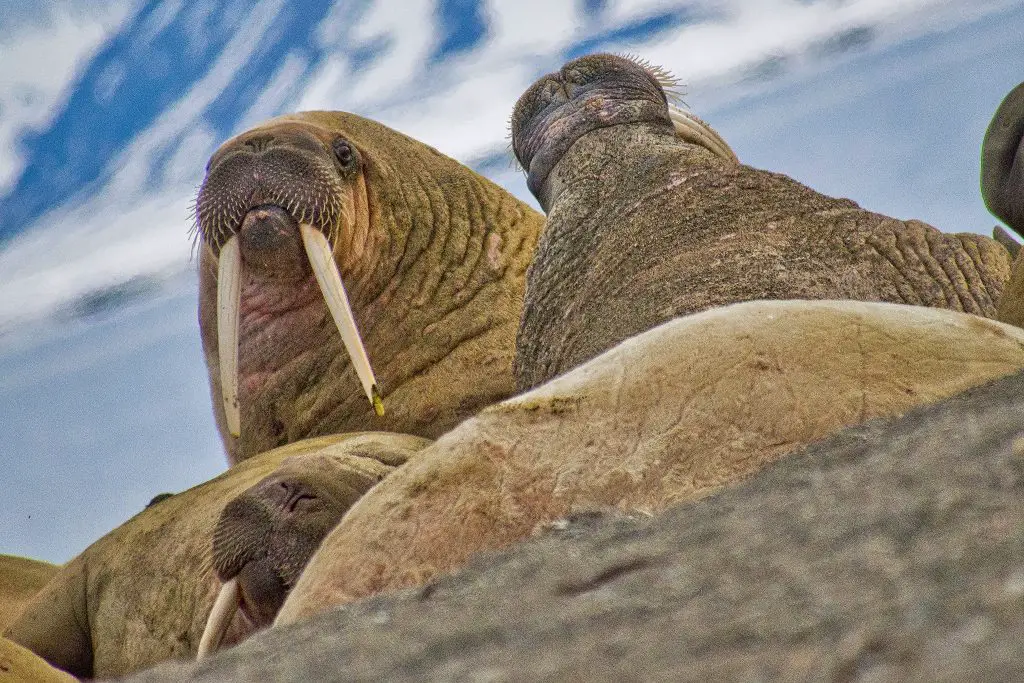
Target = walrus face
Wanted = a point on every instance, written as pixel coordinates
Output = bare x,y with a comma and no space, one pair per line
266,535
276,203
592,92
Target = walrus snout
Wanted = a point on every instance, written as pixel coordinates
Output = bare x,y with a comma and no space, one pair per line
592,92
265,537
270,243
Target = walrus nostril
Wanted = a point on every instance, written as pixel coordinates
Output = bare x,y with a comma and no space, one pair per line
267,228
291,494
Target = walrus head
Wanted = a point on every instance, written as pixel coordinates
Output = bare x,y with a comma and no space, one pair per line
276,199
266,535
592,92
1002,162
294,208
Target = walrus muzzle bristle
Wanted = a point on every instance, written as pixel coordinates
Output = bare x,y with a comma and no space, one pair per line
327,276
224,608
693,130
229,288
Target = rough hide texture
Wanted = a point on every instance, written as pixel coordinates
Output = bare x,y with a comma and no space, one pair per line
891,551
141,594
20,579
665,417
643,227
433,257
19,665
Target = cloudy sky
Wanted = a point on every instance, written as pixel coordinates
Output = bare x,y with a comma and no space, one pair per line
107,116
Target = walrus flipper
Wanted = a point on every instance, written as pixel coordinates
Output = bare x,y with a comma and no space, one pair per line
1004,238
55,624
1002,162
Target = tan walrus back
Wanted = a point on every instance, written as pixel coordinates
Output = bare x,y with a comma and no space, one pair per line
20,579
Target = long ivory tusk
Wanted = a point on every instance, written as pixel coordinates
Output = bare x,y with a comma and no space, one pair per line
326,270
224,608
692,129
229,287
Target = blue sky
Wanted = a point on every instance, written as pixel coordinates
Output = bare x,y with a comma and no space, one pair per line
107,116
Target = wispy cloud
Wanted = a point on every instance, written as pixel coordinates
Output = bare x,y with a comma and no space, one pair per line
42,53
380,69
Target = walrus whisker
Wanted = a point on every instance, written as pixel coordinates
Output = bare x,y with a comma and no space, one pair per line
318,249
692,129
224,608
229,288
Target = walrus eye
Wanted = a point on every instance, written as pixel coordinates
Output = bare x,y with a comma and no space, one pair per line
343,152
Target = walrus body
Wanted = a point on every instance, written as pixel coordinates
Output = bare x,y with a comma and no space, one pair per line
669,415
20,665
142,593
644,226
432,257
20,579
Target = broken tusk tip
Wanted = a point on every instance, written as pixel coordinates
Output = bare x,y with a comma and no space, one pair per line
378,404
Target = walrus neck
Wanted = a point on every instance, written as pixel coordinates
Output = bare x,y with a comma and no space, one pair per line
592,155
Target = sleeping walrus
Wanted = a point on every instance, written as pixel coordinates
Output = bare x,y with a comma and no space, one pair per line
143,593
644,225
353,278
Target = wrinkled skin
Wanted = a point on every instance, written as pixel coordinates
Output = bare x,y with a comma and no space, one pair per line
20,579
142,593
644,226
695,404
432,255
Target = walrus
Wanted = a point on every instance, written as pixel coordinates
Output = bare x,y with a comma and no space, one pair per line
20,665
1002,162
888,552
643,226
1002,188
353,278
20,579
143,593
670,415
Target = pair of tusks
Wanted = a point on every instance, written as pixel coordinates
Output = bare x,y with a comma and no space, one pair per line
224,608
693,130
229,288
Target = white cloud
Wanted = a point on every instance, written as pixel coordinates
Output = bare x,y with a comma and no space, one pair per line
93,246
134,165
460,107
40,61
